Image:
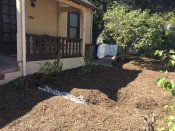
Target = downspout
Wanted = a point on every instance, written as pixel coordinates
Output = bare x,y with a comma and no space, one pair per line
84,31
58,14
92,25
23,37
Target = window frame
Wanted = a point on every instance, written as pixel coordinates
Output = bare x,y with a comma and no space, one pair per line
69,25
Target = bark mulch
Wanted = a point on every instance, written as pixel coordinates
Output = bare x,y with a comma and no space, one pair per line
117,100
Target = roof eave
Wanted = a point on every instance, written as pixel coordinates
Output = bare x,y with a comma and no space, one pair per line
88,5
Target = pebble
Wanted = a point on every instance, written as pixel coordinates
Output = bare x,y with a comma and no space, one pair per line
66,95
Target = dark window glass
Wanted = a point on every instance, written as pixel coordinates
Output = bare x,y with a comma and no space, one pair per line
5,9
13,37
13,10
6,37
73,24
6,28
5,18
13,28
5,1
13,19
72,32
8,21
73,20
13,2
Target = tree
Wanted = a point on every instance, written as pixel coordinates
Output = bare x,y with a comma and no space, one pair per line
152,5
103,5
98,24
139,29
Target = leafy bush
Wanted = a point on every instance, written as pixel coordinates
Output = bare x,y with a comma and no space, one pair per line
169,85
153,5
168,17
164,82
164,54
88,65
141,29
52,67
170,121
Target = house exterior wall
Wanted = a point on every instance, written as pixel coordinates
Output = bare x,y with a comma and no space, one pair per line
62,24
68,63
45,20
42,19
63,21
89,25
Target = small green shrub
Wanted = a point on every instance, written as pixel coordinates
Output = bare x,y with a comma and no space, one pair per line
166,83
52,67
164,54
88,65
170,121
21,83
169,85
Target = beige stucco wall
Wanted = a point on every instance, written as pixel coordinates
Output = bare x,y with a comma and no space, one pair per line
62,28
89,25
68,63
50,21
44,17
45,20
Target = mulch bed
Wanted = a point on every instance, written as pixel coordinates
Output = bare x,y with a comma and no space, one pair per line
118,98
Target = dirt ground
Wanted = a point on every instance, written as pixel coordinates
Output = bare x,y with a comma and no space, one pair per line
117,100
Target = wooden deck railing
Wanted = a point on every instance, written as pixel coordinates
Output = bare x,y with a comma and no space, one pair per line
44,47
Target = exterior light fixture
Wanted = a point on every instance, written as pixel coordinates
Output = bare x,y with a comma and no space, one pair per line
33,3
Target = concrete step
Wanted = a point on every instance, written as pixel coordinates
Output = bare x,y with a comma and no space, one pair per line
9,69
10,76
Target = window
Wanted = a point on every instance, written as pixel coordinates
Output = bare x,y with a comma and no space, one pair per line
8,20
73,25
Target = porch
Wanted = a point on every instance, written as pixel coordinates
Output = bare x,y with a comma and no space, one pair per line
44,47
43,30
54,27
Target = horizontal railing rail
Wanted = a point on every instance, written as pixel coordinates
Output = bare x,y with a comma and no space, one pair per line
44,47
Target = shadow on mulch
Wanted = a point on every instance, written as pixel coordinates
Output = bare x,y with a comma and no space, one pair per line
152,64
108,80
15,103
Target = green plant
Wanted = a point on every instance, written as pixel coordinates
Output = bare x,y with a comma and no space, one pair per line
165,82
22,83
170,121
88,65
52,67
168,17
140,29
153,5
98,23
164,54
168,84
